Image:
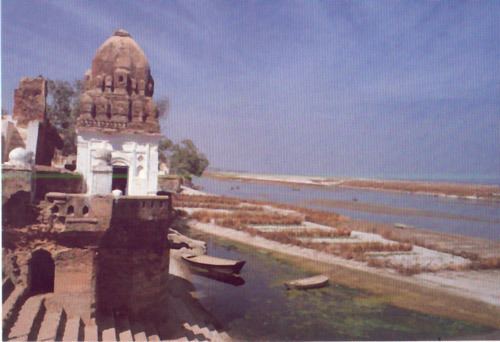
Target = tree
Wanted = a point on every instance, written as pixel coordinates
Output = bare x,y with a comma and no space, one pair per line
185,159
164,146
62,110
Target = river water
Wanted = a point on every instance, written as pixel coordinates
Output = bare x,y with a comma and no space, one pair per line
477,218
262,309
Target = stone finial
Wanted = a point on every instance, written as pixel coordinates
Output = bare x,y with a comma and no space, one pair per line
121,33
19,157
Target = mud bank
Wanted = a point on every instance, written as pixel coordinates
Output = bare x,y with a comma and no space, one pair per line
441,189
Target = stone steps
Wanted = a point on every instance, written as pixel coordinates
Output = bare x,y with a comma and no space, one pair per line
52,326
73,331
29,320
123,329
35,323
108,332
91,332
7,288
152,333
139,332
11,307
205,333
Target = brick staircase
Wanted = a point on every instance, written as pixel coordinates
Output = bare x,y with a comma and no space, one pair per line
27,318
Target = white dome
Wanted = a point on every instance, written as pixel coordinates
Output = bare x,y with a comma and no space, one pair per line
20,157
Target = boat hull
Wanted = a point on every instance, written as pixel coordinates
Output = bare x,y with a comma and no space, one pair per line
307,283
232,268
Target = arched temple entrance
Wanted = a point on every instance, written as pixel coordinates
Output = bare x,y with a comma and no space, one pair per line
120,178
41,272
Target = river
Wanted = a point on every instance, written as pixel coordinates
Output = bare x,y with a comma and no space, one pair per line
476,218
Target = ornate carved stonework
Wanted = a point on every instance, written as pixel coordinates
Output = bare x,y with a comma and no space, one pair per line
119,89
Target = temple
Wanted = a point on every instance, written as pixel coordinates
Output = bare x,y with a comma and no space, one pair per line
117,127
76,253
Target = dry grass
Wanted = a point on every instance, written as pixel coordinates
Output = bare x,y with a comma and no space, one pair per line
480,264
357,250
212,202
205,205
205,199
486,263
241,220
245,216
415,268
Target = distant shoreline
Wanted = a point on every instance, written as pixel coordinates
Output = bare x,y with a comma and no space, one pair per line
439,189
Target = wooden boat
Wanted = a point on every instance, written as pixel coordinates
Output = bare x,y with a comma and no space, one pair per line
402,226
307,283
213,264
232,279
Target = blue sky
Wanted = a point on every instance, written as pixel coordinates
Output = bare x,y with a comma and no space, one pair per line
361,88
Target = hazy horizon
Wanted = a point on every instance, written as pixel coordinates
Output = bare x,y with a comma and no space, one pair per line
362,89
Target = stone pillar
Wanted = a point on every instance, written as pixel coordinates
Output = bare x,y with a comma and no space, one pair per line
102,178
102,173
33,130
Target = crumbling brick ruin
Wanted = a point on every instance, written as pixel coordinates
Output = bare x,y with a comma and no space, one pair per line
29,100
30,128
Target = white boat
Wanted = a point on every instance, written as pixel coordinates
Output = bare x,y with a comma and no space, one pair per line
307,283
402,226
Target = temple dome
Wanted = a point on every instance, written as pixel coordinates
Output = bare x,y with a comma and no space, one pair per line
119,89
120,51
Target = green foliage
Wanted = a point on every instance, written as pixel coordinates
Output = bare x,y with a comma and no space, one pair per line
62,110
164,146
184,158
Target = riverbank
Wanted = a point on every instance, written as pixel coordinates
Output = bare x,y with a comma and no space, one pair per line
440,189
262,309
444,279
449,294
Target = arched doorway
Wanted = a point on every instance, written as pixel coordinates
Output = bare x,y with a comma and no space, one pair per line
41,271
120,178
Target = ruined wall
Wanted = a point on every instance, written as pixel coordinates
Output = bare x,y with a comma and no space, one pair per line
133,259
56,180
77,213
17,191
74,285
29,100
